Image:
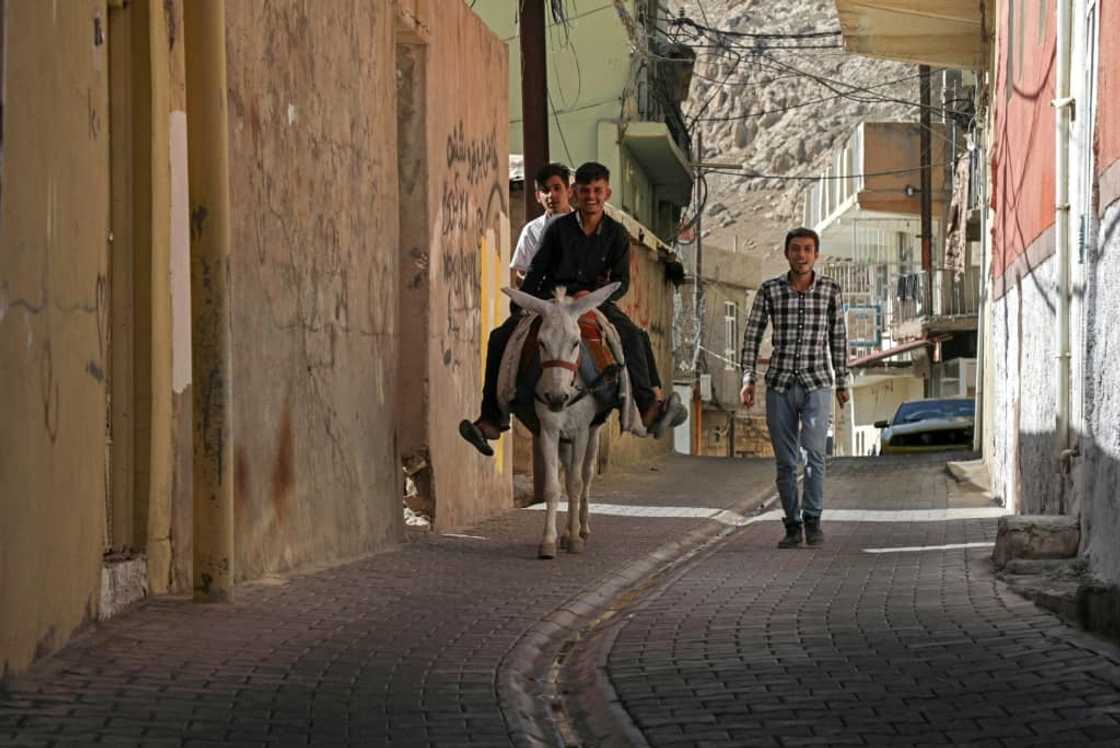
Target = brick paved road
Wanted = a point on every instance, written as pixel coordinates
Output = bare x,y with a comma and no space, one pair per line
754,646
409,647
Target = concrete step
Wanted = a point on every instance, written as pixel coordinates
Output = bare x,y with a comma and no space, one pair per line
1036,536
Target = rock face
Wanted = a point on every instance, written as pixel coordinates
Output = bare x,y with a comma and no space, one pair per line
777,110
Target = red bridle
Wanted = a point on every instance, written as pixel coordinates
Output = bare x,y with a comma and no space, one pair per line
558,363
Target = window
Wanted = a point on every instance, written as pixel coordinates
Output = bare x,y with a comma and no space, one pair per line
730,334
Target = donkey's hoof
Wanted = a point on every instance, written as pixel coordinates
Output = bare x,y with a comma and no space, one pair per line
547,550
585,534
575,545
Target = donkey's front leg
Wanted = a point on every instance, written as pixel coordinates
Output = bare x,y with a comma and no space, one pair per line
587,468
573,469
549,446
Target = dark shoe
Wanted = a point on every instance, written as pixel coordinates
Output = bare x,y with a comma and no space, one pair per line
792,538
813,533
665,414
473,434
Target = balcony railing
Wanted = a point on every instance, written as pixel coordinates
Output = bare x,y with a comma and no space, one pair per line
939,293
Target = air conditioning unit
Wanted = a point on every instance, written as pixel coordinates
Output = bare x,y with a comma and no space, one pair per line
706,387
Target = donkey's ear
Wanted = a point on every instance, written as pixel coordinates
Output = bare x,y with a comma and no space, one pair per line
527,301
592,300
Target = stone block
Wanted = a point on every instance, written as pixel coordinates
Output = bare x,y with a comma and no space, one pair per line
1036,536
123,582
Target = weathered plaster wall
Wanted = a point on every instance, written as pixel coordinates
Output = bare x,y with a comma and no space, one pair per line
1024,400
468,254
649,303
54,209
313,175
1099,475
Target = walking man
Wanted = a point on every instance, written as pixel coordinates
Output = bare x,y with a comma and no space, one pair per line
806,311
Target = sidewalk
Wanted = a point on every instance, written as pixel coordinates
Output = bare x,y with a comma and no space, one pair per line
871,638
438,643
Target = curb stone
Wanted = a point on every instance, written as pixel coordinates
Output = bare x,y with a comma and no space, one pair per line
534,709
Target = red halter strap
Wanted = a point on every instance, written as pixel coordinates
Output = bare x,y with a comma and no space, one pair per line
572,367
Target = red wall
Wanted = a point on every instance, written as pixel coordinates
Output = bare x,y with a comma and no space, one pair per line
1023,147
1108,81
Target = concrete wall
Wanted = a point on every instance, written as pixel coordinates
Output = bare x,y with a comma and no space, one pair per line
313,176
893,146
455,254
54,213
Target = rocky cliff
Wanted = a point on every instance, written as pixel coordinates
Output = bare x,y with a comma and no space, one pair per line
779,106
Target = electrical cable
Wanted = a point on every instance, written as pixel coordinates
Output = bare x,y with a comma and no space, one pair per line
828,178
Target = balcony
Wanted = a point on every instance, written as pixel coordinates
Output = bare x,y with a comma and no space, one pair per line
943,33
937,301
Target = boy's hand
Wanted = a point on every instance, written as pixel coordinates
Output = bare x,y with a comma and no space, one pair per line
842,397
746,395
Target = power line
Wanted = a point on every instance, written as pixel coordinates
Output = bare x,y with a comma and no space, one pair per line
791,107
828,178
705,29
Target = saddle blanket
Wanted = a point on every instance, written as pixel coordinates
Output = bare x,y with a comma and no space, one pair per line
629,417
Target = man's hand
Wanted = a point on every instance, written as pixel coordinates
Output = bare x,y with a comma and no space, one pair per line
842,396
746,395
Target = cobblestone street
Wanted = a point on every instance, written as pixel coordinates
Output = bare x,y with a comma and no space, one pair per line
449,640
877,637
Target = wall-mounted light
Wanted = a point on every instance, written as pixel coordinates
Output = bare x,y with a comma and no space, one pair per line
911,191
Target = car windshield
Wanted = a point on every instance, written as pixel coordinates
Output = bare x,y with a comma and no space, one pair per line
920,410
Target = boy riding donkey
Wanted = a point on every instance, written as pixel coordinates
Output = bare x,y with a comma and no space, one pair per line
582,251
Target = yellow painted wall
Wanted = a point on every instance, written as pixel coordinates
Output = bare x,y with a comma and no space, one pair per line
314,241
54,209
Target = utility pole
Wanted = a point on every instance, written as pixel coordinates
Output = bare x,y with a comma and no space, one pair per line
534,98
927,179
698,302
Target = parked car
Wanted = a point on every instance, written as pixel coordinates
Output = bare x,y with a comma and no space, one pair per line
929,426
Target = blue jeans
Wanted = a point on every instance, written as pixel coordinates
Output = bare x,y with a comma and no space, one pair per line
798,421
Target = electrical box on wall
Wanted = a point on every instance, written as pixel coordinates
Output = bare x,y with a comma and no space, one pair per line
706,387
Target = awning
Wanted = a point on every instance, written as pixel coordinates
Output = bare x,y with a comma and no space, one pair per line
872,358
944,33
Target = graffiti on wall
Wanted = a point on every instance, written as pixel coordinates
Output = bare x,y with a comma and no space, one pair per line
472,205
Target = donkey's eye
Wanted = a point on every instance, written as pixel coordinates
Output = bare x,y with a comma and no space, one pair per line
575,346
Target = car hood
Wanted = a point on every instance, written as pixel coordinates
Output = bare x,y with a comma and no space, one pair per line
930,424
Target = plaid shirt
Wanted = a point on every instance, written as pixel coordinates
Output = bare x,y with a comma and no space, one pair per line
808,330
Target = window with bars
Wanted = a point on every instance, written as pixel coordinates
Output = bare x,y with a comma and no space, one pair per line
730,334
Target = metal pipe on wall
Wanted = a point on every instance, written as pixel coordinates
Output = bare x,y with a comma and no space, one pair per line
208,156
1062,104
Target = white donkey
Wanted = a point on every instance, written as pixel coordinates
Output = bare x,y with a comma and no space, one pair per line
565,410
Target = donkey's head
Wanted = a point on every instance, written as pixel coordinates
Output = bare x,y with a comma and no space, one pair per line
558,339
